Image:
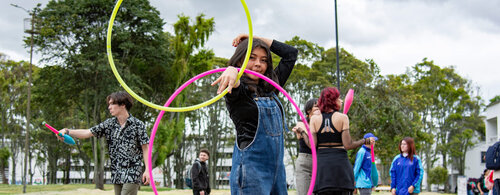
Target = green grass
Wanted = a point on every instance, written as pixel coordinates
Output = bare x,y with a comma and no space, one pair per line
149,189
17,189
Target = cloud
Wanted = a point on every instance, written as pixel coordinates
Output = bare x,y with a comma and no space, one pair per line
395,33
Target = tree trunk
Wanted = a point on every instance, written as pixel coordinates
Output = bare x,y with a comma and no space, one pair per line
4,125
49,177
445,165
213,165
52,158
428,169
13,158
44,177
214,142
30,171
179,178
94,152
461,168
180,162
99,147
96,161
4,178
68,168
98,175
164,171
87,172
102,157
86,162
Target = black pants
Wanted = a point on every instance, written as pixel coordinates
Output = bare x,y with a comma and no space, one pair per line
335,193
496,187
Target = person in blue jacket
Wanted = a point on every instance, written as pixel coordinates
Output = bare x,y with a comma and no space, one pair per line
406,169
363,168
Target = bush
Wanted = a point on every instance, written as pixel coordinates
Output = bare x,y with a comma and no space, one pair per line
4,156
438,175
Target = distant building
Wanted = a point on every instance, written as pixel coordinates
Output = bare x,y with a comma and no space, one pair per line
474,159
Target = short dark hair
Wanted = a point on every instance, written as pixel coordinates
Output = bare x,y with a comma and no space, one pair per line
121,98
309,106
204,150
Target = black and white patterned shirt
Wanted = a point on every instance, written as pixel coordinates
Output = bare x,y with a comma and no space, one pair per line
125,148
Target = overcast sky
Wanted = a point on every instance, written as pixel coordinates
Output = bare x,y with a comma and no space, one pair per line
396,34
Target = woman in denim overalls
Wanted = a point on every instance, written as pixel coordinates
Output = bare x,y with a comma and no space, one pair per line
257,164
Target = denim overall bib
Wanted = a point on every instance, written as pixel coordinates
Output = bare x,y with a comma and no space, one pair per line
259,168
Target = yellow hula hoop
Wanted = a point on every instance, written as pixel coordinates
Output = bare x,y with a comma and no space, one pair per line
173,109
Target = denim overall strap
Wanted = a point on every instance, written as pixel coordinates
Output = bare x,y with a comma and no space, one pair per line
259,168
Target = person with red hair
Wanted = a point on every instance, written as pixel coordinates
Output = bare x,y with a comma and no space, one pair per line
406,169
330,131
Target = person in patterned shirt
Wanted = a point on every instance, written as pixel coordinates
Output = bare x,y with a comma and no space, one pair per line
127,142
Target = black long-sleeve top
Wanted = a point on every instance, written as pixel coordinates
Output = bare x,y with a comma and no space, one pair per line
243,110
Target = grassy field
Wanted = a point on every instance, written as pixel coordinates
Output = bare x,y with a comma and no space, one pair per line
88,189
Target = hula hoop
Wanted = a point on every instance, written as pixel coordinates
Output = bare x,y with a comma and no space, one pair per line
164,108
172,97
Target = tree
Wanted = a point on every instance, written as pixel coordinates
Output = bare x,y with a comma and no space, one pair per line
3,97
300,85
13,82
188,38
73,37
495,99
393,115
448,108
4,162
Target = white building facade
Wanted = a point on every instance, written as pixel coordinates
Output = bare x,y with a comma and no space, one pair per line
474,159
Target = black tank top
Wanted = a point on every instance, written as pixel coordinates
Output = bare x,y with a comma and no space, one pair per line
303,148
327,132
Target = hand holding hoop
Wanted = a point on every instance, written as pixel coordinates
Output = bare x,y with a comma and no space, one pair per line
227,79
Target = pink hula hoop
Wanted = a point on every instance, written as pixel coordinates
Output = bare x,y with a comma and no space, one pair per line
179,90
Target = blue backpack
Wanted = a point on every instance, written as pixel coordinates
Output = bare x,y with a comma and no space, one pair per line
493,157
187,177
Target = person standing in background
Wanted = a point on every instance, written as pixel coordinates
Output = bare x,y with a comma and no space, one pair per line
406,169
303,164
199,174
363,168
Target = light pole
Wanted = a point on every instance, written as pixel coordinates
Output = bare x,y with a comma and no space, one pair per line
28,111
337,47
